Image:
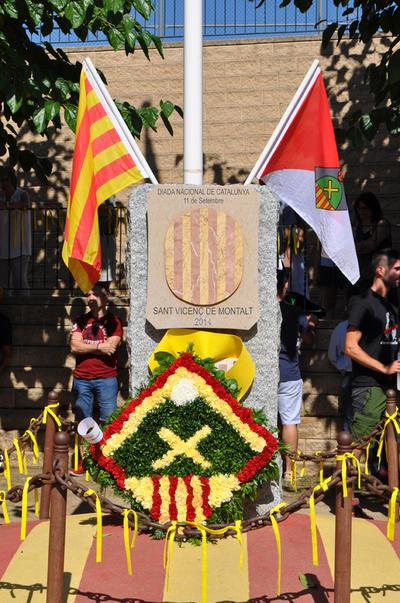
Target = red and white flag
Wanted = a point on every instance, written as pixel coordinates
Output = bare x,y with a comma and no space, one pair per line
300,164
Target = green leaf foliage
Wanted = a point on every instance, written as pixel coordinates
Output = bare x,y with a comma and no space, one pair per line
39,85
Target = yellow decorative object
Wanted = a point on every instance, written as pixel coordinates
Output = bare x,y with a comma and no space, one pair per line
349,456
35,447
19,456
277,535
215,345
392,514
7,471
322,486
48,410
128,547
76,452
389,419
168,544
99,525
24,510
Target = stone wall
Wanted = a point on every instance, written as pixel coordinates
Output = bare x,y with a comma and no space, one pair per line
248,85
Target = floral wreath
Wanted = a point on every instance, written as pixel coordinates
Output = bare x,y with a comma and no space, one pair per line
185,449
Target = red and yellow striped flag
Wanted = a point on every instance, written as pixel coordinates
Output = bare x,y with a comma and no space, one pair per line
105,161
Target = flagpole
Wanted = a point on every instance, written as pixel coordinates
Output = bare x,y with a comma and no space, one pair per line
284,122
193,93
129,139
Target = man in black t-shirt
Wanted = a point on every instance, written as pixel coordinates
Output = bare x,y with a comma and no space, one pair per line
372,343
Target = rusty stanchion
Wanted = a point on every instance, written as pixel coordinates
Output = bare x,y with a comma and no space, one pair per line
343,528
391,446
58,514
51,429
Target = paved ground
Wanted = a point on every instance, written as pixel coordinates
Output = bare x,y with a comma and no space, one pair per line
23,566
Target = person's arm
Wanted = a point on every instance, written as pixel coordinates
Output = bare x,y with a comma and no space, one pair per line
307,329
5,357
355,352
103,348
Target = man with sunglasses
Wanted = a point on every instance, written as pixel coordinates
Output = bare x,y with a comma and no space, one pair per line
95,338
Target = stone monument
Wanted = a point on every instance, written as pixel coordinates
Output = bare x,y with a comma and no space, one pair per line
204,257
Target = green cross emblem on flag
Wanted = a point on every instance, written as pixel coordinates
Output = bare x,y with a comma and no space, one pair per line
329,192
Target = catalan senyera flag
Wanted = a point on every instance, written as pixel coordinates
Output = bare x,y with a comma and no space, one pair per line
106,159
300,164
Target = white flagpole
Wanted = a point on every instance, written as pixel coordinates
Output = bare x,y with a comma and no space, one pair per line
119,123
193,93
285,121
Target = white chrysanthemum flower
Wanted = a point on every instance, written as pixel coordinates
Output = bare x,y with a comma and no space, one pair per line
184,392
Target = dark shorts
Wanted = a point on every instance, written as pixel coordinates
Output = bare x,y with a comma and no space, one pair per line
369,404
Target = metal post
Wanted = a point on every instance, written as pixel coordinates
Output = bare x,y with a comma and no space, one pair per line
391,446
51,429
343,519
193,93
58,514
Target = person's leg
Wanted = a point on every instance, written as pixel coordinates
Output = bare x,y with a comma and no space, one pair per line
290,394
369,404
83,406
106,391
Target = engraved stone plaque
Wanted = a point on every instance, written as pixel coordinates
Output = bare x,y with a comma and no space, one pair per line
202,257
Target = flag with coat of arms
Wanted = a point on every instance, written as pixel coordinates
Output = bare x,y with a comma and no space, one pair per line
300,164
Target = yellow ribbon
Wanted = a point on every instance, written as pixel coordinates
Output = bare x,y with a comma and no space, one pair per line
48,411
24,465
126,513
168,544
293,474
24,510
216,345
86,476
392,514
367,450
239,536
7,470
99,525
277,535
3,501
76,452
390,419
313,526
349,456
19,456
35,447
303,466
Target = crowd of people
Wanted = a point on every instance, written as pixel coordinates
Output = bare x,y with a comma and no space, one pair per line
364,346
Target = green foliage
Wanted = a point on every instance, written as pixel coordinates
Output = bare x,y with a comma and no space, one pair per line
223,447
38,83
365,19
